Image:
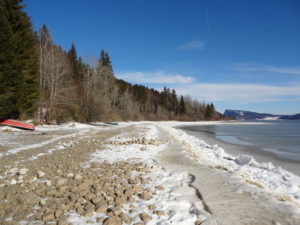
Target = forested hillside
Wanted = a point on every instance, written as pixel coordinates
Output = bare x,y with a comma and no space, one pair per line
40,80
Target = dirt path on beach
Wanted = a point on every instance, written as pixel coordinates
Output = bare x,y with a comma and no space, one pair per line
229,201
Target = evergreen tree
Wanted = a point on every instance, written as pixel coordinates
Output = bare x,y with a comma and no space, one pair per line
25,78
174,101
164,97
74,62
45,37
105,60
181,106
210,109
9,74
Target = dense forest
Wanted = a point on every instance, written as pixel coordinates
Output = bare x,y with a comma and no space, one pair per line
40,80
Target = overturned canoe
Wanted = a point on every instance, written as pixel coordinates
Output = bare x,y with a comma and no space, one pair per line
17,124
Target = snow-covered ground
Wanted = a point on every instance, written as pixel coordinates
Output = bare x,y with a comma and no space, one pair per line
11,136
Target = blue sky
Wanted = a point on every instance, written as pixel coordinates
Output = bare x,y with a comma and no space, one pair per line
238,54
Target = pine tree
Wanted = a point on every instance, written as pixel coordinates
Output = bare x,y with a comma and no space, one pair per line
163,101
45,37
174,101
25,78
181,106
72,53
9,74
210,109
105,59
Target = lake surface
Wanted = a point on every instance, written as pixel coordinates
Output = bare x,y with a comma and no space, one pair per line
275,141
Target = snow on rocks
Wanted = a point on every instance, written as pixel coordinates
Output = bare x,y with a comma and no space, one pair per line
13,181
23,171
154,195
13,176
131,145
172,201
113,153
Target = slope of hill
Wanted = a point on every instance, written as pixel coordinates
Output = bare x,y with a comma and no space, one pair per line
248,115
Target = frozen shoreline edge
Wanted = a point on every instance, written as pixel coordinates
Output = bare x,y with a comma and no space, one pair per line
282,184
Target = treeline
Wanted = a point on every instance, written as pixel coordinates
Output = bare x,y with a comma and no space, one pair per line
41,80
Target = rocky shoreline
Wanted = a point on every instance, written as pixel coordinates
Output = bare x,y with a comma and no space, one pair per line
134,173
66,186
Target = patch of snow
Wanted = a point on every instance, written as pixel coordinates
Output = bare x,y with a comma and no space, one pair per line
10,129
73,126
10,139
270,118
120,152
113,153
23,171
177,200
27,147
244,160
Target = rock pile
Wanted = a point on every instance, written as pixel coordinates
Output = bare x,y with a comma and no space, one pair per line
103,188
50,187
141,141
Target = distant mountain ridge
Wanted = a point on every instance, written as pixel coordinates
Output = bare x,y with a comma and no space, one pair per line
248,115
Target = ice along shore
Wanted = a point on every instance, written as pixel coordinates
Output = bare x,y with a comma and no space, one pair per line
136,173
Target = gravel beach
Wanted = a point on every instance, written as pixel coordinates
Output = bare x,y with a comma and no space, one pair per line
134,173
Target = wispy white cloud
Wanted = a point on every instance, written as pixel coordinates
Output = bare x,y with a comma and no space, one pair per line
192,45
240,93
267,68
155,78
237,93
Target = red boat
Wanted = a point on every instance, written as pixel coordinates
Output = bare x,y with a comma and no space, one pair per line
17,124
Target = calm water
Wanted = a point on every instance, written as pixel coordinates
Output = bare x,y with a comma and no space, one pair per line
281,138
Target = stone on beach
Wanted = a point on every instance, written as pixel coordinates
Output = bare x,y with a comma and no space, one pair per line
145,195
125,218
23,171
159,212
145,217
40,174
113,220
